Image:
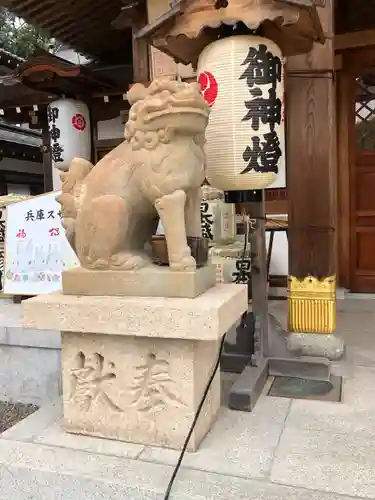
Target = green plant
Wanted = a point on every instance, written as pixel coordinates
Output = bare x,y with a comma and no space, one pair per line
19,37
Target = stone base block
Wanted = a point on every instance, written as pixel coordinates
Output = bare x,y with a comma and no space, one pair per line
152,281
135,369
138,390
206,317
318,345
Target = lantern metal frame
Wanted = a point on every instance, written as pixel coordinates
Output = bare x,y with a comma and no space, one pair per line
269,355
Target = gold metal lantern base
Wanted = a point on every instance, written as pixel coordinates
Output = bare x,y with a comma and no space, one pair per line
312,304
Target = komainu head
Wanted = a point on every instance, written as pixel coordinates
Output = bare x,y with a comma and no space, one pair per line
164,110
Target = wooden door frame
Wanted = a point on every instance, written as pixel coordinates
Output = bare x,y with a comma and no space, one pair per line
353,63
344,84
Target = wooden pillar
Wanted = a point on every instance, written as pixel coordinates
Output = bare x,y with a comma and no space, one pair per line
141,60
3,186
345,122
311,178
47,158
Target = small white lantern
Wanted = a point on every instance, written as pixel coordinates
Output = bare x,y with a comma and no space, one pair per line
217,217
232,265
69,129
242,80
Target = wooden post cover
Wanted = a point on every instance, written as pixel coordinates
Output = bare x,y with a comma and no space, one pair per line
311,180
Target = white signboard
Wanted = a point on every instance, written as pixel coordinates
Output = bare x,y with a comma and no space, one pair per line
36,250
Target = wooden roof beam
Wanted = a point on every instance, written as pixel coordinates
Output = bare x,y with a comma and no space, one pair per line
28,101
14,4
42,7
59,22
105,42
354,40
44,19
76,25
84,25
23,151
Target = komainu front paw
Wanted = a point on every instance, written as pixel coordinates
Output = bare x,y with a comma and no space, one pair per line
128,261
185,264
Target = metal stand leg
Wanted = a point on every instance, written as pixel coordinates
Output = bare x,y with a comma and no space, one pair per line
239,346
269,253
271,356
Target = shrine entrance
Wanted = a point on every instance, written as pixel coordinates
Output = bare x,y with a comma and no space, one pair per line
356,169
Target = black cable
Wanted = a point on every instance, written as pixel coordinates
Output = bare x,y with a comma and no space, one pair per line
217,364
182,454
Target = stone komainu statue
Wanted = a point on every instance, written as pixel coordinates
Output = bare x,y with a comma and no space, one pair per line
110,210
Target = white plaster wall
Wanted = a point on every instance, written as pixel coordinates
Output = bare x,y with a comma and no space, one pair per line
111,129
279,258
21,189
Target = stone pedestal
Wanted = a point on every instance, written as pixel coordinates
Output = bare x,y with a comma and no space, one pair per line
152,281
319,345
135,368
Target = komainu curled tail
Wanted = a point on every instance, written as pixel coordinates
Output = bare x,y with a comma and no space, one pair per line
73,194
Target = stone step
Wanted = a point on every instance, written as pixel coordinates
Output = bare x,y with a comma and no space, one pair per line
38,472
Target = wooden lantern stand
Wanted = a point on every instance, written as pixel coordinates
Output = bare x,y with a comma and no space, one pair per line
269,356
182,33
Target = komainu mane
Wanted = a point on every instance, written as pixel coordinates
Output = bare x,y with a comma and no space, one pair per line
111,209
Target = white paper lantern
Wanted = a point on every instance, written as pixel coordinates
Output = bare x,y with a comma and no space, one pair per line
69,128
242,80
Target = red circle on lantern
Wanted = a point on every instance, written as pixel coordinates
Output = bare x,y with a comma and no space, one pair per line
79,122
209,87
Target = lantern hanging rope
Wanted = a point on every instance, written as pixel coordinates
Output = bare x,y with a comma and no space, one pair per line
242,80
